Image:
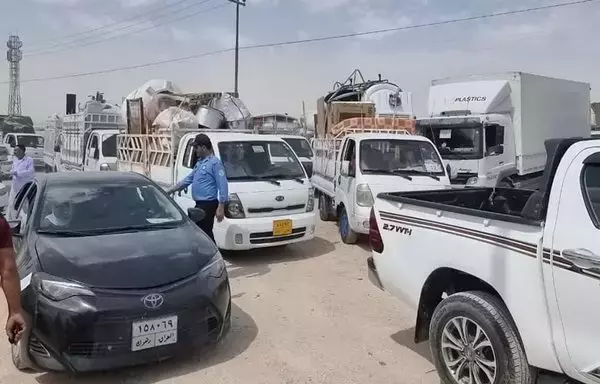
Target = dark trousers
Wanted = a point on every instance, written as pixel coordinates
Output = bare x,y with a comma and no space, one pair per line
210,210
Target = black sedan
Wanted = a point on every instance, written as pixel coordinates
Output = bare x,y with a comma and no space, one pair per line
113,274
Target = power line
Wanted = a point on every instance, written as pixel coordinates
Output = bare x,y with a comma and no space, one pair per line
117,22
305,41
84,43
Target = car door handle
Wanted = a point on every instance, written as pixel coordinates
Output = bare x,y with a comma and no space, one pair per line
582,258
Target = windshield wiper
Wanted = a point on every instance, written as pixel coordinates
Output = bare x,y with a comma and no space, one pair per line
395,172
286,177
422,173
256,178
66,233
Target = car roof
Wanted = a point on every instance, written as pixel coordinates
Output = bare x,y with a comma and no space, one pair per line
292,137
58,178
239,136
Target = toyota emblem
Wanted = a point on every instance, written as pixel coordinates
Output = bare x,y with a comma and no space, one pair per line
280,198
153,300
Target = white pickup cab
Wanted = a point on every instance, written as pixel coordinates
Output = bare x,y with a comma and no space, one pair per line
34,146
270,202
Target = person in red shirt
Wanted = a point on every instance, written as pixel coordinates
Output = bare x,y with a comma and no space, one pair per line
9,279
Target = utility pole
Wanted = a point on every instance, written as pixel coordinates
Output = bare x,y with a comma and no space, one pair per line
237,3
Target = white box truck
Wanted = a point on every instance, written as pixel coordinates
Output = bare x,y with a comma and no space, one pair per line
490,129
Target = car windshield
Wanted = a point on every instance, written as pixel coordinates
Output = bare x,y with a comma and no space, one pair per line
259,159
31,141
109,145
105,207
456,142
401,156
300,146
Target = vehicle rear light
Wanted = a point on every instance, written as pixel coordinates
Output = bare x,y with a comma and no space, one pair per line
374,235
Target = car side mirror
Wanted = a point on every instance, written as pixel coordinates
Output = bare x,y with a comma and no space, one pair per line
196,214
15,227
345,171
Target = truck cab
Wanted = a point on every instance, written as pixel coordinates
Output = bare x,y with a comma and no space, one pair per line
271,202
349,172
101,151
303,150
34,146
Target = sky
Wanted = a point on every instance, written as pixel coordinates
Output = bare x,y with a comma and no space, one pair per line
63,37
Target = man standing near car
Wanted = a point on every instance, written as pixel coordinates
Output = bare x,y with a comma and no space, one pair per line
209,184
22,172
15,325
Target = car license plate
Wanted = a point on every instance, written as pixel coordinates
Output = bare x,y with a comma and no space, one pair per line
153,333
282,227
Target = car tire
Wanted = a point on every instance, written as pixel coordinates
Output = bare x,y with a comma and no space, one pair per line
325,208
20,355
346,233
491,341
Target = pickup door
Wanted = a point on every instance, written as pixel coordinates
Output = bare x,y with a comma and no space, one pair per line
572,240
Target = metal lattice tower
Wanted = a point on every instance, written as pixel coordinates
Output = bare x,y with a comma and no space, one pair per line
14,56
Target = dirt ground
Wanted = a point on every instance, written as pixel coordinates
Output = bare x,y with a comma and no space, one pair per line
305,313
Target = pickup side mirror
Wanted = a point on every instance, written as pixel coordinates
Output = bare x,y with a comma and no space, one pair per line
345,169
96,153
56,148
12,145
196,214
15,227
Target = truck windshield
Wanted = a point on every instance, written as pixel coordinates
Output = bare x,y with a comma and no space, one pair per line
399,156
455,142
300,146
248,160
31,141
109,145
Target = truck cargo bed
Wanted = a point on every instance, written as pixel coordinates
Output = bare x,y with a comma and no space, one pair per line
506,204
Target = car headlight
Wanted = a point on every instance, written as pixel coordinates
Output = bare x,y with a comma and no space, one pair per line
310,204
235,209
215,267
58,289
364,197
472,180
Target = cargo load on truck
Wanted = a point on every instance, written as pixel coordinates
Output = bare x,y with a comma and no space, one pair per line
360,98
491,128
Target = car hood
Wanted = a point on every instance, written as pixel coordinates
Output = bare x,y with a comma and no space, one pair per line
126,260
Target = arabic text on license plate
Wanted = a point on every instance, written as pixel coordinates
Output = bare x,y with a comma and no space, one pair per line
153,333
282,227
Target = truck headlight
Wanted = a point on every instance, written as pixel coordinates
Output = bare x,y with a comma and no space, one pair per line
472,181
104,167
364,197
310,204
234,208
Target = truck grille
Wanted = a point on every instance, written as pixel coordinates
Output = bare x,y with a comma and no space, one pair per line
272,209
268,238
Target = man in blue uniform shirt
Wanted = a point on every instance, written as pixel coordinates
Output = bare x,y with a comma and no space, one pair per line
209,184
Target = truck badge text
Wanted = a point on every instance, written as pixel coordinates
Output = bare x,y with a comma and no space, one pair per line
468,99
397,229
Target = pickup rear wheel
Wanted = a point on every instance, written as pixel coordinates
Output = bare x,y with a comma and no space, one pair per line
347,234
473,340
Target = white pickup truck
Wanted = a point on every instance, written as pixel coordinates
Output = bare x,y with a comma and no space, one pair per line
350,168
271,202
505,282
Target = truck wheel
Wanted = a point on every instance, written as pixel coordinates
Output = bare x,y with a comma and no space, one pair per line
473,340
325,208
347,234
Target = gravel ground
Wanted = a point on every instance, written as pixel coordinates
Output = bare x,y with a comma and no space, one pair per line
305,313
